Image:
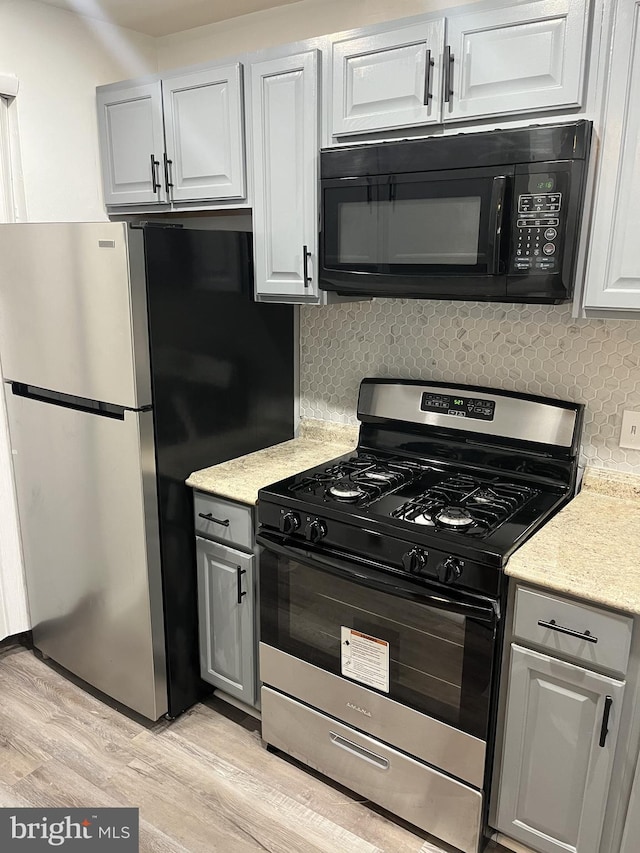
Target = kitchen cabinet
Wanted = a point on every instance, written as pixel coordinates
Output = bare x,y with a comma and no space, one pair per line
131,143
529,57
204,131
285,133
391,79
561,722
227,596
179,139
517,59
613,266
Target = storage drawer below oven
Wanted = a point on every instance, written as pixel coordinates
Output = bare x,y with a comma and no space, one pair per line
430,740
406,787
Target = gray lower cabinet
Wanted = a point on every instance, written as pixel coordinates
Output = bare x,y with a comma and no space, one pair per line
565,677
226,613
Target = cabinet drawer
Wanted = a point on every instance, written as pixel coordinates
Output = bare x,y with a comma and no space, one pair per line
603,638
226,521
408,788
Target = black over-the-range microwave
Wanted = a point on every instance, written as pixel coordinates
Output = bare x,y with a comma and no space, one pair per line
491,216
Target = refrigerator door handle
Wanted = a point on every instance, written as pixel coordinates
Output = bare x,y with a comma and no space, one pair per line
68,401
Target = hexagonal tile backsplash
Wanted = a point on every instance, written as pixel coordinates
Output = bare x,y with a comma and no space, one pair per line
535,349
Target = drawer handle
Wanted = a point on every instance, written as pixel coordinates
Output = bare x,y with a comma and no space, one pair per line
208,517
359,751
583,635
604,728
239,572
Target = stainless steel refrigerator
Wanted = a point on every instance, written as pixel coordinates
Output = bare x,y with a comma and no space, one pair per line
132,355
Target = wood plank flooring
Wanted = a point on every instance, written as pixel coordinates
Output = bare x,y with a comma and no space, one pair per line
203,783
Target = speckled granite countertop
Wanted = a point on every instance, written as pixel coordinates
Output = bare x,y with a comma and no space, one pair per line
591,548
240,479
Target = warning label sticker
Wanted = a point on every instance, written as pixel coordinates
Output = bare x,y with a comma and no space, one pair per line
365,658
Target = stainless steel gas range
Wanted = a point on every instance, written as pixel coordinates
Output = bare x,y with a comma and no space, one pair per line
382,592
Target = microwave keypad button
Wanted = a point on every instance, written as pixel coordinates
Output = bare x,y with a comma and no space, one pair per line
522,264
548,248
545,264
550,234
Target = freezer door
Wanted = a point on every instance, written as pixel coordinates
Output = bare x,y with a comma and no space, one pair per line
73,310
89,523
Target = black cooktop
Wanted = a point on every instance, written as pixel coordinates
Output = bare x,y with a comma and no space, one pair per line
465,509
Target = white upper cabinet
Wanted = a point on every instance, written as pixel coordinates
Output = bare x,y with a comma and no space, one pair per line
387,80
204,134
613,267
527,57
285,133
132,144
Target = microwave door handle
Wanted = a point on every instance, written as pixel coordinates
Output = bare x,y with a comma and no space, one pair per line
495,224
356,570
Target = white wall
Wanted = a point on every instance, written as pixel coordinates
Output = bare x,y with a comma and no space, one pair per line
60,58
284,24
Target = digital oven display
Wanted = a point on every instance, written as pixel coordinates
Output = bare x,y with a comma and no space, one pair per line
462,407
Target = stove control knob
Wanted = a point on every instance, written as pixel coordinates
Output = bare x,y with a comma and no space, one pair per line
414,561
289,522
450,570
315,530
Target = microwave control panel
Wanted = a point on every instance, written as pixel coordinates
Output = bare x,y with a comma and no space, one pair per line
538,223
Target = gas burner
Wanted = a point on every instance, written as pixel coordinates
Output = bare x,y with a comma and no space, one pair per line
346,491
379,476
455,516
485,496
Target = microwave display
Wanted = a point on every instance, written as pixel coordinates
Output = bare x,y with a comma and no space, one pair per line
463,407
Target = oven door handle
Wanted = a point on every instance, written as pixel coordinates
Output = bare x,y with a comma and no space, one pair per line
357,570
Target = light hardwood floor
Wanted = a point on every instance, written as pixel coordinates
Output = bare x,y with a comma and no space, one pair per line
203,783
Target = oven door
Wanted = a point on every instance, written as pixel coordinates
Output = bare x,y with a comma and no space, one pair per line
421,647
419,234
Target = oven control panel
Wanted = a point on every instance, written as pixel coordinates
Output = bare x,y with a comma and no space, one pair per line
462,407
538,216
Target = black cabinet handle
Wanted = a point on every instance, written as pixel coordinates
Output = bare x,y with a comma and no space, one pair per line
208,517
306,254
448,74
604,728
427,79
583,635
167,172
239,572
154,181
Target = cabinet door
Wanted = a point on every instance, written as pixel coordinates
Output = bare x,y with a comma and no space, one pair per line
517,59
132,144
284,95
613,271
205,134
387,80
555,772
226,602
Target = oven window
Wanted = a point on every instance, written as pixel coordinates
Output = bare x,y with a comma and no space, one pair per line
439,662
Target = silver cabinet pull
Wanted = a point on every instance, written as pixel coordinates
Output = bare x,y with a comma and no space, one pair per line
359,751
583,635
306,254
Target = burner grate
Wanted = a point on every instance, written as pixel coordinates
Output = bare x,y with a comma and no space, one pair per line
465,505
